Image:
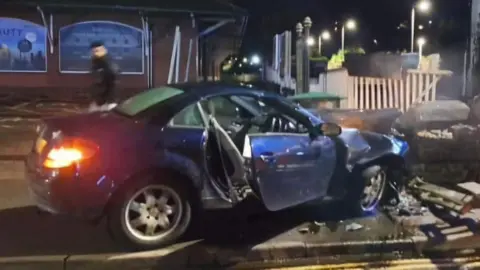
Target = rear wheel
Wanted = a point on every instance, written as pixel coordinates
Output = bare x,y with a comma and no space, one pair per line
150,214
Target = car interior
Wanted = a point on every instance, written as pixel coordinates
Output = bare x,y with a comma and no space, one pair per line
230,120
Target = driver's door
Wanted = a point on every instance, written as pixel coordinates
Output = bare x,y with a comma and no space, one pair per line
289,169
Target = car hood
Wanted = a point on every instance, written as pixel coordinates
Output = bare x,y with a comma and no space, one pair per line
373,120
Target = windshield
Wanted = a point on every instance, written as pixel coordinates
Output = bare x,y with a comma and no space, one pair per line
258,106
314,119
145,100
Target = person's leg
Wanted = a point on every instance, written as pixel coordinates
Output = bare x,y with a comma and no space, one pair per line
97,97
109,96
99,101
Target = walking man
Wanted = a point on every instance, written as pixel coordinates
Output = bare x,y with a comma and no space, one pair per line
105,73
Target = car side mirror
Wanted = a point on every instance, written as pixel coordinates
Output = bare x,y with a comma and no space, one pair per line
326,129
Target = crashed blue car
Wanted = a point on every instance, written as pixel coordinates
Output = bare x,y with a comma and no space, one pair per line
149,165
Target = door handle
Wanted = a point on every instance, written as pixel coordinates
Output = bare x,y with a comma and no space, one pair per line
267,157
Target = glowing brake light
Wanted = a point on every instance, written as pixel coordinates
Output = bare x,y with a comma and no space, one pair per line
70,152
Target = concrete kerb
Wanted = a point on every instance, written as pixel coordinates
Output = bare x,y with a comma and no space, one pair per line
195,254
55,262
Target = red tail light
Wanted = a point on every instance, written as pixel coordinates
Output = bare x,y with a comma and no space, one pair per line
71,151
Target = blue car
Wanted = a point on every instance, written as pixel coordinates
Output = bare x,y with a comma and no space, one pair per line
152,163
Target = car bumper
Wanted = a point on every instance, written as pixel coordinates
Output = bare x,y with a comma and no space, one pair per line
64,192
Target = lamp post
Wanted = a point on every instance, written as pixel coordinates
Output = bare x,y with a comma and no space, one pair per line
420,42
349,25
423,6
324,36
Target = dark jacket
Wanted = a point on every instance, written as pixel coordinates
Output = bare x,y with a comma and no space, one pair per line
104,70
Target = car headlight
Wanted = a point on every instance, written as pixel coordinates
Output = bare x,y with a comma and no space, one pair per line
400,147
396,133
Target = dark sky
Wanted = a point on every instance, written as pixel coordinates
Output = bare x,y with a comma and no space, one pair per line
377,19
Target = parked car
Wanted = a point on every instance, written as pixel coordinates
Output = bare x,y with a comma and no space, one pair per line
157,158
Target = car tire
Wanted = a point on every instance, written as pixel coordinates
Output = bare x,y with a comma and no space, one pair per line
129,228
356,202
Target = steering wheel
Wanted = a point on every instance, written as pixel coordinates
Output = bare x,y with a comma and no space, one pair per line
272,123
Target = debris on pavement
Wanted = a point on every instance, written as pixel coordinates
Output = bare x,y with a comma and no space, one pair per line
448,198
312,228
408,205
353,227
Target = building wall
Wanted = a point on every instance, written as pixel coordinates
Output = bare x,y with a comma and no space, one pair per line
61,85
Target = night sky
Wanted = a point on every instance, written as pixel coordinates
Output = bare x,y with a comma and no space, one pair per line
387,21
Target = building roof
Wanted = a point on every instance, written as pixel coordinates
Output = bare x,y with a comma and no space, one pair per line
207,7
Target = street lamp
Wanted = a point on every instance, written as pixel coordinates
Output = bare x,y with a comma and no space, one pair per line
324,36
256,60
421,42
350,25
310,41
422,6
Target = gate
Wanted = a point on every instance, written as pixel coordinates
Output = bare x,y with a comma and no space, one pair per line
380,93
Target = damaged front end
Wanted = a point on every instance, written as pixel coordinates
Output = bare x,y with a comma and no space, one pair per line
364,147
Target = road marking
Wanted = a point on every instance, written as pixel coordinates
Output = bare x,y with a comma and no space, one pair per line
458,263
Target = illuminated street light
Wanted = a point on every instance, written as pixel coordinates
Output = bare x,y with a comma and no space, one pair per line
310,41
422,6
350,25
244,60
421,42
255,60
324,36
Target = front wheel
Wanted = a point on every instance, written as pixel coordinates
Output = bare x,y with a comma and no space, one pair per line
373,191
367,192
150,215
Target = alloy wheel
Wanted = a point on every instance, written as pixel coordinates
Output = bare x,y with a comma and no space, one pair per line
153,212
373,191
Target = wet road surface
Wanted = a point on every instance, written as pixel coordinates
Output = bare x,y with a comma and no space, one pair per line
39,109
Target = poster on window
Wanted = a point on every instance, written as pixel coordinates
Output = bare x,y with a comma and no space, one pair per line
23,46
123,42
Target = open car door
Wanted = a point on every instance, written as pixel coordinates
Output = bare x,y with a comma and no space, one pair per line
289,169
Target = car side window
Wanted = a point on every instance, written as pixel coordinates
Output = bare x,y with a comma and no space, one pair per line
225,110
289,123
190,116
224,107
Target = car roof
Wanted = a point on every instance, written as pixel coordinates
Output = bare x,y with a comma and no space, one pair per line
204,89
